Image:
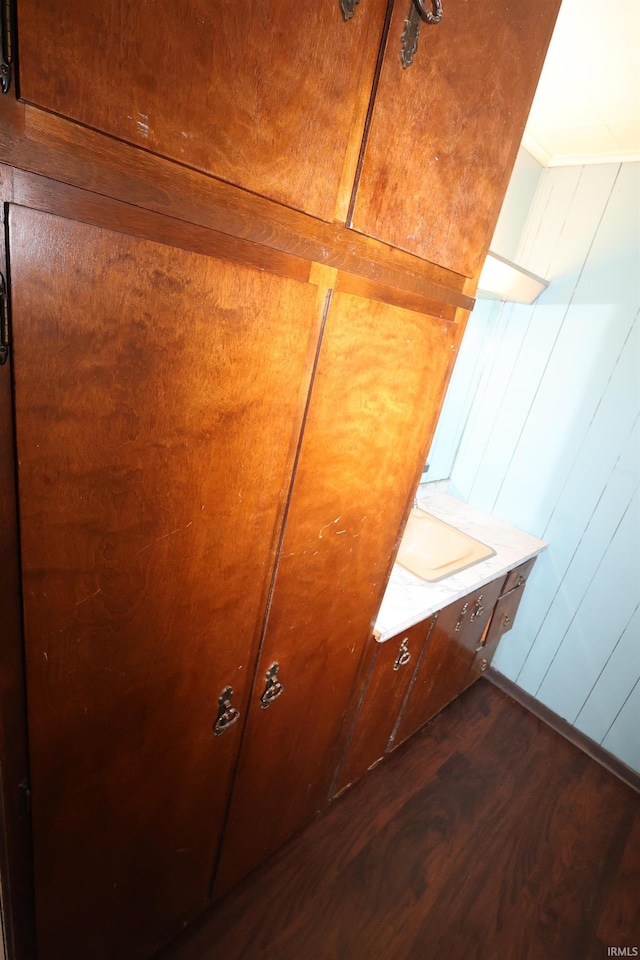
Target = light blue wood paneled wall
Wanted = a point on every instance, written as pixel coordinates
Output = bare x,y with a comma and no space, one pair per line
540,428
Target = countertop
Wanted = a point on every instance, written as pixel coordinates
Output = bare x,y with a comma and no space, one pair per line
408,599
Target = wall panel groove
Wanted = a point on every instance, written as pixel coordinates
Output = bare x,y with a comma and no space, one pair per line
551,444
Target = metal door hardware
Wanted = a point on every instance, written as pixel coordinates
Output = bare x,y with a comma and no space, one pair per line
461,617
404,656
478,609
273,689
227,714
6,50
411,33
348,8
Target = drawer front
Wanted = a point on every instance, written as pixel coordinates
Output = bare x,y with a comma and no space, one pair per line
502,621
519,576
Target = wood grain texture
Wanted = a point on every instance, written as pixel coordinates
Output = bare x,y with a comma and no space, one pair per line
375,401
501,622
158,404
42,143
382,698
486,835
41,193
265,98
445,132
15,833
448,654
571,733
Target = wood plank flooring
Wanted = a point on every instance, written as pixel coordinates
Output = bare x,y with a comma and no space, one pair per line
485,837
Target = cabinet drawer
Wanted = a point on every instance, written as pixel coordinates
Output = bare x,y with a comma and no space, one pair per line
502,620
518,576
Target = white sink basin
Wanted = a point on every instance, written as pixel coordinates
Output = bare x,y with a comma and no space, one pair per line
432,549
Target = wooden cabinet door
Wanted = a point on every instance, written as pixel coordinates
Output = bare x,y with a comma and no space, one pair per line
374,404
502,620
157,396
445,131
270,96
392,666
447,656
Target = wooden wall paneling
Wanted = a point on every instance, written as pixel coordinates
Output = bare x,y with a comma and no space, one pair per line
622,737
472,359
155,443
572,584
505,345
572,467
613,686
545,335
580,363
436,166
609,598
375,401
15,844
592,502
566,211
552,205
523,188
271,102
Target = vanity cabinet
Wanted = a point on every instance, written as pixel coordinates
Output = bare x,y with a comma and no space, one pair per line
446,658
502,620
409,678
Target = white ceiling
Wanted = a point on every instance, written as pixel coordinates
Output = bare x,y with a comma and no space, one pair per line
587,106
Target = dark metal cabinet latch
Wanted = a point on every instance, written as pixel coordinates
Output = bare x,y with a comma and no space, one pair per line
6,51
227,714
404,655
463,612
348,8
411,33
478,609
273,689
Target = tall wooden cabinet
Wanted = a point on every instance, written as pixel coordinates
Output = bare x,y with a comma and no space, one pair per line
380,375
224,368
271,97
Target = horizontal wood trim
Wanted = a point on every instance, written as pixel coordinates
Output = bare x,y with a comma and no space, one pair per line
372,290
33,140
50,196
580,740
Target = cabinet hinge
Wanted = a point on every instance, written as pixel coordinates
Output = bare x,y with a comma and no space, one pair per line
4,321
6,53
24,798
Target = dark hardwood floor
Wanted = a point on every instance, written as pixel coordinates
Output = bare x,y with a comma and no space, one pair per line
485,837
